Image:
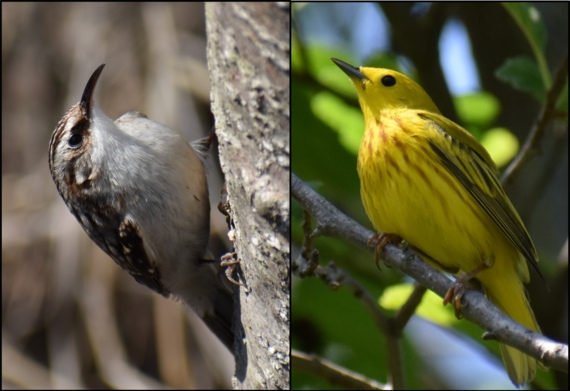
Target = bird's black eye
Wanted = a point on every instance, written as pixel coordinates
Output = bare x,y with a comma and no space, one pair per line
389,81
75,141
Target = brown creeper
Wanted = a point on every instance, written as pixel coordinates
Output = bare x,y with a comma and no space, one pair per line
139,190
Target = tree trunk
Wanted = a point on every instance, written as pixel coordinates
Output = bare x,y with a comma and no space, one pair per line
248,57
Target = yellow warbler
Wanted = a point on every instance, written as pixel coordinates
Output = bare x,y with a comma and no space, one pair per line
427,180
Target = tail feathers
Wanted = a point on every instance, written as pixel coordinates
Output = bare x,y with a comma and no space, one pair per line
508,294
220,322
520,367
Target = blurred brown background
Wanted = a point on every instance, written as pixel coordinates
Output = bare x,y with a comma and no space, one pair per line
70,317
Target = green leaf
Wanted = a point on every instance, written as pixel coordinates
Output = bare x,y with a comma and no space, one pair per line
395,296
501,144
530,22
479,108
346,120
523,74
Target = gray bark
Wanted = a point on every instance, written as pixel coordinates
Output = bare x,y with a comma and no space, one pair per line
248,57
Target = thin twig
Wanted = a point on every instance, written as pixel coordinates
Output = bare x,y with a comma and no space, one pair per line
532,145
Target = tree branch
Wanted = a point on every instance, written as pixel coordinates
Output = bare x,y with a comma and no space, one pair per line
479,310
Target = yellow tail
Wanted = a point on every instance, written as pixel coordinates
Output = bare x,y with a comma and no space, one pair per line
504,288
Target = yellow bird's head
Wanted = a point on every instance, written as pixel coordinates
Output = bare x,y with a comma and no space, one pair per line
384,89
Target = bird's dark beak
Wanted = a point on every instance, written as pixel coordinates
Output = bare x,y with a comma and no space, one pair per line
349,69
